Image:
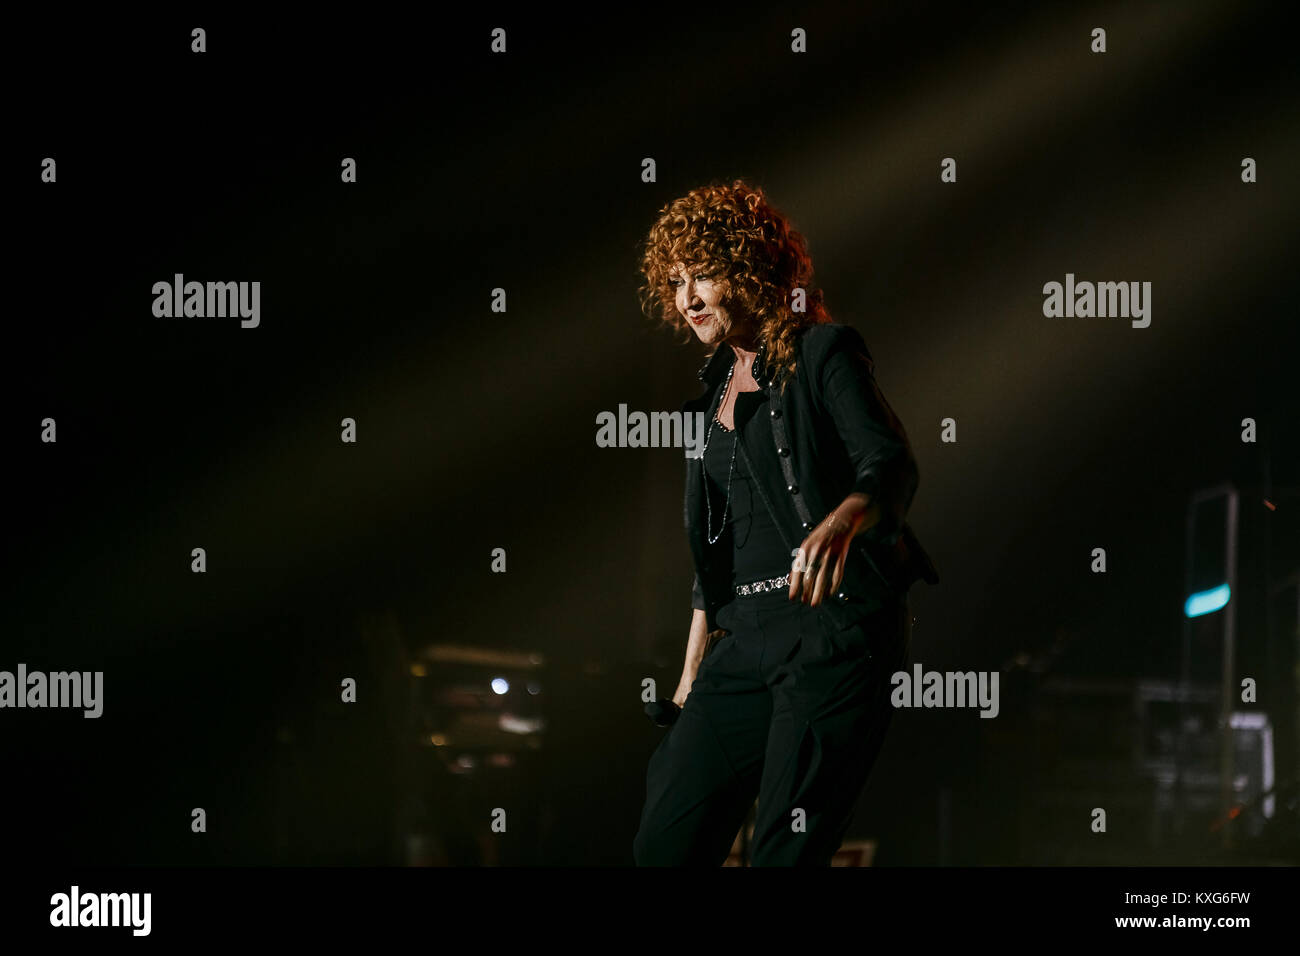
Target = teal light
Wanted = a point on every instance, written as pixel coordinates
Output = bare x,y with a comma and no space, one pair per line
1206,602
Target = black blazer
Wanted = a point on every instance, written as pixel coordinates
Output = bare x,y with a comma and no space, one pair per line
843,437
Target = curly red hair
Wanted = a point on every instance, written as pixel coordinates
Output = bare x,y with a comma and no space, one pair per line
760,256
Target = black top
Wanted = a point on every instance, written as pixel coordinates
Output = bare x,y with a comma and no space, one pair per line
750,543
839,436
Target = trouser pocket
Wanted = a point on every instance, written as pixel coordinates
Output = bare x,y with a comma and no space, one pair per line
866,633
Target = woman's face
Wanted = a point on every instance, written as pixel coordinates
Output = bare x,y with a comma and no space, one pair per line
699,300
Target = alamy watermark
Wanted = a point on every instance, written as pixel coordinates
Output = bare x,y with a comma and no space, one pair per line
626,429
946,689
208,300
59,689
1128,300
102,909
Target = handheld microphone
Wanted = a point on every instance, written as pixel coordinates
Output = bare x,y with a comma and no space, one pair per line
664,713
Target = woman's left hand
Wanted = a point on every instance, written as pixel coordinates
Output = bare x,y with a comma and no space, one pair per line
819,562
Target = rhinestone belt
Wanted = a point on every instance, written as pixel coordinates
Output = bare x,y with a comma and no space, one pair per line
758,587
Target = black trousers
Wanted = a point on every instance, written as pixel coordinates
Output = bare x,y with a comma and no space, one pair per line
786,707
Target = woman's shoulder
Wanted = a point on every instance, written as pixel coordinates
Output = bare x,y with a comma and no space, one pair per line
821,341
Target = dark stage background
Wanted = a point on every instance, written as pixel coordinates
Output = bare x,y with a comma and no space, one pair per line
328,560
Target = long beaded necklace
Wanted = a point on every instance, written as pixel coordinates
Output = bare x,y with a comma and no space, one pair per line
708,498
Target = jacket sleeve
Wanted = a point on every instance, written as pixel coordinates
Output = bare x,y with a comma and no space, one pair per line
697,595
873,435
